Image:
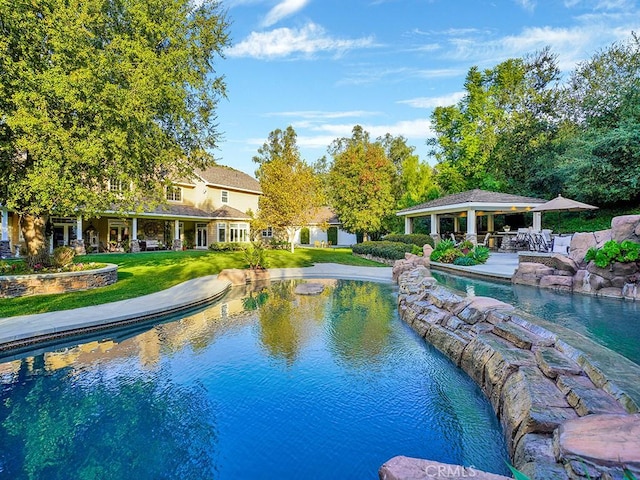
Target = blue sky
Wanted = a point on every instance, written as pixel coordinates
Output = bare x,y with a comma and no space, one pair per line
324,66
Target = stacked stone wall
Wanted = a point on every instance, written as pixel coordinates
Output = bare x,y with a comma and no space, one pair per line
535,382
12,286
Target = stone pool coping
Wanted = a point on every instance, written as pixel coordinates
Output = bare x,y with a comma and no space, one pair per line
541,388
25,330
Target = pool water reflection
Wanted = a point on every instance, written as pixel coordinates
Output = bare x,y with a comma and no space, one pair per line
269,384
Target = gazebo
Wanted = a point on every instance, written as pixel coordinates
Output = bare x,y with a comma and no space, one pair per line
471,204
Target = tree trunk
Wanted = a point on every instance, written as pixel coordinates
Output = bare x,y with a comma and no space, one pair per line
291,233
33,230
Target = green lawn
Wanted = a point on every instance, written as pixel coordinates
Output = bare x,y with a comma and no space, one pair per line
143,273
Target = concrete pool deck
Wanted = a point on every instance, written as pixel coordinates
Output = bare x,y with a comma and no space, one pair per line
30,329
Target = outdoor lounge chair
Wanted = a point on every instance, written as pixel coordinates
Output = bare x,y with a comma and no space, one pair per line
485,242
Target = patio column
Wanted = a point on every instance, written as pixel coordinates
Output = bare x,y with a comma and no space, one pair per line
537,221
177,242
456,224
491,226
471,226
134,228
408,225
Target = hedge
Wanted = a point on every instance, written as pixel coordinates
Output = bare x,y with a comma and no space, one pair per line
385,249
419,239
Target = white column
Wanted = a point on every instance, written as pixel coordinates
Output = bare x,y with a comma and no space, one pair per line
134,228
456,224
408,225
79,227
471,222
5,224
435,225
537,220
490,222
176,229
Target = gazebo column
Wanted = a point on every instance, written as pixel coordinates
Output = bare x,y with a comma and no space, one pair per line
456,224
435,228
135,245
408,225
471,226
491,226
537,221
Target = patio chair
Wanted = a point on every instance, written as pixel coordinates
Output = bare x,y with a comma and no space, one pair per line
485,242
455,242
522,240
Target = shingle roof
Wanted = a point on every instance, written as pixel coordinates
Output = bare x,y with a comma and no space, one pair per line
227,212
474,196
179,210
325,214
229,177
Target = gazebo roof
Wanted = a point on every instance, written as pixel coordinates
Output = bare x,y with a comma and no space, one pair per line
473,199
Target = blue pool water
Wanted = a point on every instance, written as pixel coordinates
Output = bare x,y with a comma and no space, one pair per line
610,322
268,385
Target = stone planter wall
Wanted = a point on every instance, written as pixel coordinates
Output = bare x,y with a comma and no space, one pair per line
542,390
386,261
571,273
12,286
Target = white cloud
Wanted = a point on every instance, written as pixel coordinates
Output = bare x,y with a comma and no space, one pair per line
528,5
432,102
284,9
284,42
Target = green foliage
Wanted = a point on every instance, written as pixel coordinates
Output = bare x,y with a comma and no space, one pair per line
63,256
98,91
465,254
614,252
480,254
361,183
290,190
304,236
418,239
465,261
383,249
225,247
20,267
256,256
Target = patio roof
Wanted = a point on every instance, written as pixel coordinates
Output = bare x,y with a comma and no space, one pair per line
476,200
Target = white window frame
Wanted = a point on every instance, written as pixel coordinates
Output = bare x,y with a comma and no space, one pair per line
267,232
224,196
174,193
115,185
221,227
238,232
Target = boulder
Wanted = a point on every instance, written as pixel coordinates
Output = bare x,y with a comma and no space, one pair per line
234,275
580,243
564,264
625,227
426,252
558,282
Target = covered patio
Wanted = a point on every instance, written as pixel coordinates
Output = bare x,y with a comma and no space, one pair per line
471,207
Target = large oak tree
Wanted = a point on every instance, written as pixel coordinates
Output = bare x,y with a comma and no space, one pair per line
100,91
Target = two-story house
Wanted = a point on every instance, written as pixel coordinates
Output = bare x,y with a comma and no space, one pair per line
212,207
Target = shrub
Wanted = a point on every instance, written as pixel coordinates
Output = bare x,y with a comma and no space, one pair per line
449,256
480,254
383,249
418,239
63,256
255,255
464,261
225,247
612,252
39,260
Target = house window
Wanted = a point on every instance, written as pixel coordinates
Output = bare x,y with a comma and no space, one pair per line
224,197
115,185
238,232
174,194
222,232
267,232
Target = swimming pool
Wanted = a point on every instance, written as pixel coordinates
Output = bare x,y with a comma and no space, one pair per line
271,384
611,322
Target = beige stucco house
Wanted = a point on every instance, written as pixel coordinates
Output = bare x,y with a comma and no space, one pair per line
212,207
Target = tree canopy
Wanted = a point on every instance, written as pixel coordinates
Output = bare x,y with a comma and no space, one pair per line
98,92
290,190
